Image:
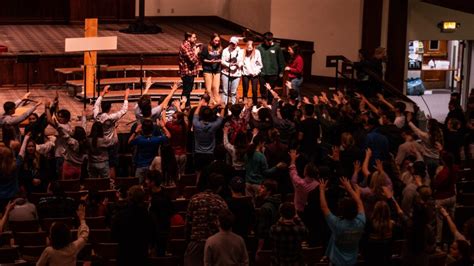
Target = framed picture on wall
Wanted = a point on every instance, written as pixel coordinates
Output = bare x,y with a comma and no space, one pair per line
434,45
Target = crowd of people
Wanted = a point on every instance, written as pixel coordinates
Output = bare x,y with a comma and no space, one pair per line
351,173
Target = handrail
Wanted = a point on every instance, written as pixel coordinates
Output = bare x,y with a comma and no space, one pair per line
344,66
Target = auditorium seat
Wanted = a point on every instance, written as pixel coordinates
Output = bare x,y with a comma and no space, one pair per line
462,214
9,255
437,259
181,205
77,196
30,238
6,239
24,226
96,183
100,236
164,261
177,232
177,247
190,191
107,251
313,255
70,185
465,199
36,197
31,253
47,222
187,180
171,192
465,187
126,182
96,222
110,194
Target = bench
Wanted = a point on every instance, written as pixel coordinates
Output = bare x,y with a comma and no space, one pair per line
133,80
118,68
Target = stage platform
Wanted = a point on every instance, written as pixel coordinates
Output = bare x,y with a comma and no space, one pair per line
47,42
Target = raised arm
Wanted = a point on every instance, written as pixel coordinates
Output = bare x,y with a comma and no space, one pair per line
165,102
322,197
452,226
162,125
365,164
384,101
117,115
23,146
354,192
6,213
148,85
83,231
15,120
98,101
135,134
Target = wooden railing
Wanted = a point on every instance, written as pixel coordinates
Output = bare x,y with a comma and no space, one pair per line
345,71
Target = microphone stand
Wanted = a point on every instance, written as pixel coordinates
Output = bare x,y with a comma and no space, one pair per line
141,76
229,79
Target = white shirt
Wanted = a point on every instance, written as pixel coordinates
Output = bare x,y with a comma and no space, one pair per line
252,65
238,55
109,120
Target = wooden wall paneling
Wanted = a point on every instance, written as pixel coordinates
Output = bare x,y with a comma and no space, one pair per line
372,25
397,43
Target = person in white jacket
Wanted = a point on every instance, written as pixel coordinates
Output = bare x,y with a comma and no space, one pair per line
251,70
232,61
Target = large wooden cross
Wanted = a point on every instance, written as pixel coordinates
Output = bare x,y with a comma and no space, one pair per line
90,44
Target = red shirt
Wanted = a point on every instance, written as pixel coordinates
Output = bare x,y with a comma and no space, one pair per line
188,61
296,68
178,138
444,183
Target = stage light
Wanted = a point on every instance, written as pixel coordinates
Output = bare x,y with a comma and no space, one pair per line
448,26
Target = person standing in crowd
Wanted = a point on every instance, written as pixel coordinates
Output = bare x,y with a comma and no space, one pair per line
211,67
205,134
202,221
225,247
188,60
9,118
147,147
273,64
109,120
287,235
63,250
232,61
343,247
252,66
295,68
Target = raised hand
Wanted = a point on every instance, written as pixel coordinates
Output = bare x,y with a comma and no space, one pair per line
293,155
267,85
127,93
148,83
346,183
322,185
288,85
443,211
387,192
106,89
306,100
368,153
26,96
379,165
357,167
175,86
81,212
315,99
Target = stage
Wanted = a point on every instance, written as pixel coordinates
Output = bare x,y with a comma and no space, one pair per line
47,42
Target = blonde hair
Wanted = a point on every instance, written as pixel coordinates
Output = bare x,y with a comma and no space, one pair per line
346,139
7,161
381,221
378,180
252,53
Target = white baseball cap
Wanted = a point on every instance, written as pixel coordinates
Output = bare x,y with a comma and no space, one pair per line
234,40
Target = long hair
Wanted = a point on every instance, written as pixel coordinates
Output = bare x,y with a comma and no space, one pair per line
434,132
377,181
81,137
210,47
252,53
180,121
296,50
7,161
381,220
97,131
32,160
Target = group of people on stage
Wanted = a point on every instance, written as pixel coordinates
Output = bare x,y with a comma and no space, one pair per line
224,68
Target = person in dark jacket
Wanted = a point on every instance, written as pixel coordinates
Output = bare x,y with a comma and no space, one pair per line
268,214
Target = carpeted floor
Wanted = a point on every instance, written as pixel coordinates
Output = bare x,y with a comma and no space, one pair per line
49,39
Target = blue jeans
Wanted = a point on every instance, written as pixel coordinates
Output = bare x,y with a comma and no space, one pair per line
234,83
296,85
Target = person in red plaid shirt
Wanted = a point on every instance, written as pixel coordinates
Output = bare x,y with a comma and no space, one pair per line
188,60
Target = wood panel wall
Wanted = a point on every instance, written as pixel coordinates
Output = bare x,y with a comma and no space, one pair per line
65,11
